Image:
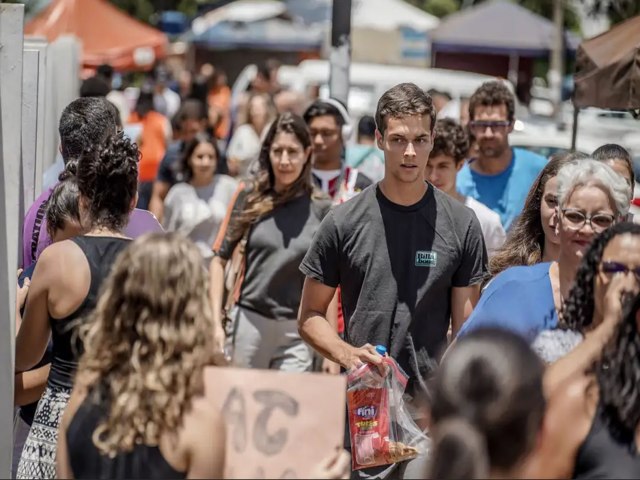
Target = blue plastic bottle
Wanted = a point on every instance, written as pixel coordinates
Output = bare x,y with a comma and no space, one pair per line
381,349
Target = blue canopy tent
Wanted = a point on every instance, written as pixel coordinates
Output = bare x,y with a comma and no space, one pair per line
275,34
250,31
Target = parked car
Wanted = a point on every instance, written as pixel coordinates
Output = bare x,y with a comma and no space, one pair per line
547,140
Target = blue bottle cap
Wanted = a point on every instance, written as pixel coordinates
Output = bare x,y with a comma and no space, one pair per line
381,349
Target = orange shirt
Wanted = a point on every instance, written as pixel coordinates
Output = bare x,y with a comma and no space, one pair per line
220,98
152,143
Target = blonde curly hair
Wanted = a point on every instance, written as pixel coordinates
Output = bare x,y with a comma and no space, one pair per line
147,342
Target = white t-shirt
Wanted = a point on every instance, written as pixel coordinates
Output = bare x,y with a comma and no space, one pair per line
198,212
492,230
326,176
244,147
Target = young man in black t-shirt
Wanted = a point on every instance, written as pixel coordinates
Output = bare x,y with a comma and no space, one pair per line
408,258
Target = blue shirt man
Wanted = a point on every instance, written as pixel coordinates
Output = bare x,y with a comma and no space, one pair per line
499,177
504,192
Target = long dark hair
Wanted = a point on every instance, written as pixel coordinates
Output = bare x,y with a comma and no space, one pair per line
263,199
525,243
186,173
488,405
618,375
578,309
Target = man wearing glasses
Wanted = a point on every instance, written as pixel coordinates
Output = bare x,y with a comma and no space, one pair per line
330,128
500,176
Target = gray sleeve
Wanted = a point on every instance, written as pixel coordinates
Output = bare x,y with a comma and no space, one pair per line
473,263
322,259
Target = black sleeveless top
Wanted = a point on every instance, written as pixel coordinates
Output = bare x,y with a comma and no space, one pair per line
607,452
101,253
86,461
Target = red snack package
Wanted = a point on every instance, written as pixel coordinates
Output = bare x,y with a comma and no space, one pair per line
381,429
369,426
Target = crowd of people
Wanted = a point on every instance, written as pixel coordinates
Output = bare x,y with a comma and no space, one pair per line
503,283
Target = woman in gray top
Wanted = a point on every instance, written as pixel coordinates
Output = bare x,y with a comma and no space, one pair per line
277,215
196,206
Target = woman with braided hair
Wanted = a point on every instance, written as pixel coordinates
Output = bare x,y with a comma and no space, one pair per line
65,285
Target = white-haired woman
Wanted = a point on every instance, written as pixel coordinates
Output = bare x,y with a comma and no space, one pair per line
591,198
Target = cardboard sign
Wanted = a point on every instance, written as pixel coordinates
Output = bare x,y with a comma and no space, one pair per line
279,425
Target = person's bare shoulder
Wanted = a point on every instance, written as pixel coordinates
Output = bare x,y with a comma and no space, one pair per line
204,438
575,399
65,269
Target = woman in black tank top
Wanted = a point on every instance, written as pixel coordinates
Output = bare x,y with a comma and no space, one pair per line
65,287
137,409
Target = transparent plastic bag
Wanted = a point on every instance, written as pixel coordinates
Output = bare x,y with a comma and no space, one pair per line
381,428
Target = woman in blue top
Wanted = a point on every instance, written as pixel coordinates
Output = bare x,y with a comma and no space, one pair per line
526,300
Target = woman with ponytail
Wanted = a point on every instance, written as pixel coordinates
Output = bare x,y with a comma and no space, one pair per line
487,408
62,222
65,286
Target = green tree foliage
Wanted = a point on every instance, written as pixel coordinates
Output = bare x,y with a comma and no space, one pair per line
441,8
144,10
147,10
617,10
141,9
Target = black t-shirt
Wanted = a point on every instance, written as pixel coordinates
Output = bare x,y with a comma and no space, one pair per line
396,266
277,243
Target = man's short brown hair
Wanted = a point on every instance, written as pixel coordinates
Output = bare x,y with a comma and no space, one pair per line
450,140
491,94
401,101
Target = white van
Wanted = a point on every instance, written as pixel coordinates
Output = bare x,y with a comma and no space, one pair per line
368,81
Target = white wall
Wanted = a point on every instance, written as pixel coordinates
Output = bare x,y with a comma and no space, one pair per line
11,39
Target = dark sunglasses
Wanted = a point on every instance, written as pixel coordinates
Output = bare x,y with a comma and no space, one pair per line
482,125
611,268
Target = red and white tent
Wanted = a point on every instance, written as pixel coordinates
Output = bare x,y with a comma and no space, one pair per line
107,34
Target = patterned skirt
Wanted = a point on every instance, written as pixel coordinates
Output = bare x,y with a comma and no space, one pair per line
38,459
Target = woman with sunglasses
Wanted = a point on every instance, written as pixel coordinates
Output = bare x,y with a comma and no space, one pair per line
592,422
527,299
593,309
